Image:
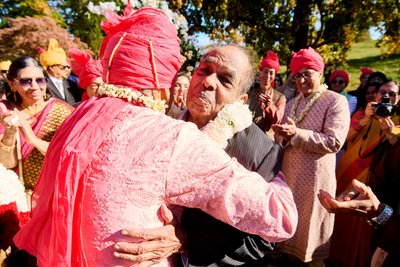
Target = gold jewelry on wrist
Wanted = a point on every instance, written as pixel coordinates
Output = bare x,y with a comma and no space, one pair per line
6,148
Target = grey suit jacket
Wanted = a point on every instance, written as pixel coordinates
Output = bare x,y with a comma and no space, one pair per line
73,95
214,243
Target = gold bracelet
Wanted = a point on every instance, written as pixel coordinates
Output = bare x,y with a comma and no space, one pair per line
6,148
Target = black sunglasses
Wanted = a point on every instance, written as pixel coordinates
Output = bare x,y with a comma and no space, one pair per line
26,82
390,93
340,82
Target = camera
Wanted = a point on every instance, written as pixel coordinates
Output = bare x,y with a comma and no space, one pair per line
385,108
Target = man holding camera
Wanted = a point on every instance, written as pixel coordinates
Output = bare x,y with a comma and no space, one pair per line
369,129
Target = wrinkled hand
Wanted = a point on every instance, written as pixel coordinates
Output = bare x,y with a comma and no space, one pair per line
286,130
360,200
265,100
157,245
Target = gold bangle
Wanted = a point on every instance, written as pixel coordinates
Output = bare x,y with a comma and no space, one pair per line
6,148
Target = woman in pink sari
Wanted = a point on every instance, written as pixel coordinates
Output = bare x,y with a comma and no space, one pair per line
31,117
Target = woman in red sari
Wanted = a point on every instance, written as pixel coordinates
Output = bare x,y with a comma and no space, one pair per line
30,116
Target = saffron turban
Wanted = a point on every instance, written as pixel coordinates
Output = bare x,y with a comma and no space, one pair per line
340,73
54,55
365,71
5,65
141,49
85,67
306,58
270,61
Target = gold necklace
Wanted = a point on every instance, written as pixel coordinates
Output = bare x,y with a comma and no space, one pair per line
307,108
32,110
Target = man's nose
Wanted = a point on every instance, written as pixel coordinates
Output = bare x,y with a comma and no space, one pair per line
209,83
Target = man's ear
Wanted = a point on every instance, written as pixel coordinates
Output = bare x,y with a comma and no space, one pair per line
243,98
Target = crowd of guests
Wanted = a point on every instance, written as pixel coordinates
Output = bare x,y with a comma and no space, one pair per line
252,180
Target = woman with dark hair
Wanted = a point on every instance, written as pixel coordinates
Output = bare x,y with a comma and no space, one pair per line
177,104
28,121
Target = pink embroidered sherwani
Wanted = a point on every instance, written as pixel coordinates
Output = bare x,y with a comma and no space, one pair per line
138,160
309,165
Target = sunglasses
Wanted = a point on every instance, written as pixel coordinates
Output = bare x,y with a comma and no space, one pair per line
340,82
3,71
305,75
27,82
390,93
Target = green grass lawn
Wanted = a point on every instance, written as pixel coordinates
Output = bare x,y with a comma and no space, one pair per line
366,54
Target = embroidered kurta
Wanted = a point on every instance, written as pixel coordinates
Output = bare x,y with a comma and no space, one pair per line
112,165
309,165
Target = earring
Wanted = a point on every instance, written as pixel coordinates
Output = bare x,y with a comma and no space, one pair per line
15,97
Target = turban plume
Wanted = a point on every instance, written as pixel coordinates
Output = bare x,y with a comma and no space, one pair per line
339,73
271,61
85,67
306,58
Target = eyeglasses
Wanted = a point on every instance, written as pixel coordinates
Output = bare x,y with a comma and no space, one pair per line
305,75
340,82
390,93
63,67
27,82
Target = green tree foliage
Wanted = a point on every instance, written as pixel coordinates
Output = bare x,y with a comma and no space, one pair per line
330,26
27,8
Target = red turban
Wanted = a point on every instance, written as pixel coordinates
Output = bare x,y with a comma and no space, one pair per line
365,71
85,67
142,49
340,73
306,58
270,61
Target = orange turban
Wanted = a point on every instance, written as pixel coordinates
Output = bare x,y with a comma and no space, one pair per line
141,49
306,58
271,61
54,55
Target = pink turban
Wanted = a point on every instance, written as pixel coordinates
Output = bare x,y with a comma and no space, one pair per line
141,49
271,61
365,71
340,73
306,58
85,67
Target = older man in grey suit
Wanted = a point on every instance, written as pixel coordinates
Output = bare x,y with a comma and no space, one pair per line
223,77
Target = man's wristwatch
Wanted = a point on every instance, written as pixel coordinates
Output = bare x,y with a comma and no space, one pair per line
382,218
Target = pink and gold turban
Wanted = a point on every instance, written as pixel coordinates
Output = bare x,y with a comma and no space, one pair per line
271,61
141,49
306,58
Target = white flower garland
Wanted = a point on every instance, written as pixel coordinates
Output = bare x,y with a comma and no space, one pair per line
232,118
12,190
132,96
308,106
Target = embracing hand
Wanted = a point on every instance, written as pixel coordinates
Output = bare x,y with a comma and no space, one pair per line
157,244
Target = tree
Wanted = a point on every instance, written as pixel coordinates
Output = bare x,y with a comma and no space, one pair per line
285,26
25,36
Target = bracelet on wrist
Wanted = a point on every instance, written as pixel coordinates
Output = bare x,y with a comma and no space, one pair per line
382,218
6,148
